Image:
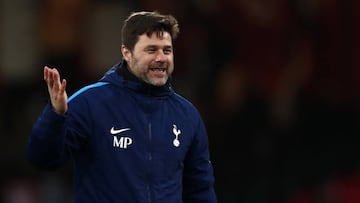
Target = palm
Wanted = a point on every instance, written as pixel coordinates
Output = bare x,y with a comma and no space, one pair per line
56,90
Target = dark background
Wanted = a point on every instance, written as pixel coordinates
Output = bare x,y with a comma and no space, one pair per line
276,81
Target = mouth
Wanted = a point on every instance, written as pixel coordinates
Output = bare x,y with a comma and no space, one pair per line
157,74
159,70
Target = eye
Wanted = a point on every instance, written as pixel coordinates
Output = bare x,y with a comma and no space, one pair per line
150,50
167,51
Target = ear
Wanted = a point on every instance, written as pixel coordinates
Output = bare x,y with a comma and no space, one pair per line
126,53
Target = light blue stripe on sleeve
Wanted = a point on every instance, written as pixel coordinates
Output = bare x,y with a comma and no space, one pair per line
98,84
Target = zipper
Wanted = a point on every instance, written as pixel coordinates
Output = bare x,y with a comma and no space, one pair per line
150,167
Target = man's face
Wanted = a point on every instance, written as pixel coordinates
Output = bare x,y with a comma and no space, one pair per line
152,59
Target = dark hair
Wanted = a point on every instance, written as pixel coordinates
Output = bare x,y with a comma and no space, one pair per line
142,22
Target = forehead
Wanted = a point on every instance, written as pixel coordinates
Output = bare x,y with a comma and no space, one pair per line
154,39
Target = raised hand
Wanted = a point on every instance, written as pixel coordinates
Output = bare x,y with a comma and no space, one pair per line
56,90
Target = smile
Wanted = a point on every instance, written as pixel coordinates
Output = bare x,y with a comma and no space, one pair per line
158,69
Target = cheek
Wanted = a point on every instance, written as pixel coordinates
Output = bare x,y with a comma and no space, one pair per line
171,68
141,64
145,61
171,62
171,59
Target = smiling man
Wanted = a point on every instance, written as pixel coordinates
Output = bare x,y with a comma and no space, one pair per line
131,137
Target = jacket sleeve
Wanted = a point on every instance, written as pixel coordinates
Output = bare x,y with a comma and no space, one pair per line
55,138
46,144
198,179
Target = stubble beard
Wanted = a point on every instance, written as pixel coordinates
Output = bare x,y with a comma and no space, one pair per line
155,74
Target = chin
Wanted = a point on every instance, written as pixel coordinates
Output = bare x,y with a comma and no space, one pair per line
158,83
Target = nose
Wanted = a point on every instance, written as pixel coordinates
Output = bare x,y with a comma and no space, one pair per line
160,57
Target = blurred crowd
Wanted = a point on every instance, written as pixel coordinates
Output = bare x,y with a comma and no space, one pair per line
276,81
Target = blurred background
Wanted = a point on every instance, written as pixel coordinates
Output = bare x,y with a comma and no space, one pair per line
276,81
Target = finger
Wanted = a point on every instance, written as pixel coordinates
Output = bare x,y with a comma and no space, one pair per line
63,86
56,78
50,78
46,71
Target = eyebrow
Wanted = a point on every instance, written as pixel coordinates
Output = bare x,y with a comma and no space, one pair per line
156,46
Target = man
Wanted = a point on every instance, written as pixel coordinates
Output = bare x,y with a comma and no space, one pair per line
131,137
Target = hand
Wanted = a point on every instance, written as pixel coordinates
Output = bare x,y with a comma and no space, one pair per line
56,90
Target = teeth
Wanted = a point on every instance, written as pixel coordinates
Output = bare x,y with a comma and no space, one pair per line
157,69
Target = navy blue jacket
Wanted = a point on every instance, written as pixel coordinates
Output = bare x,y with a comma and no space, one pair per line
130,143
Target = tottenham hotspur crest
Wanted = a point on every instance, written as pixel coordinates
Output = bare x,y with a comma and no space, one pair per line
176,132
